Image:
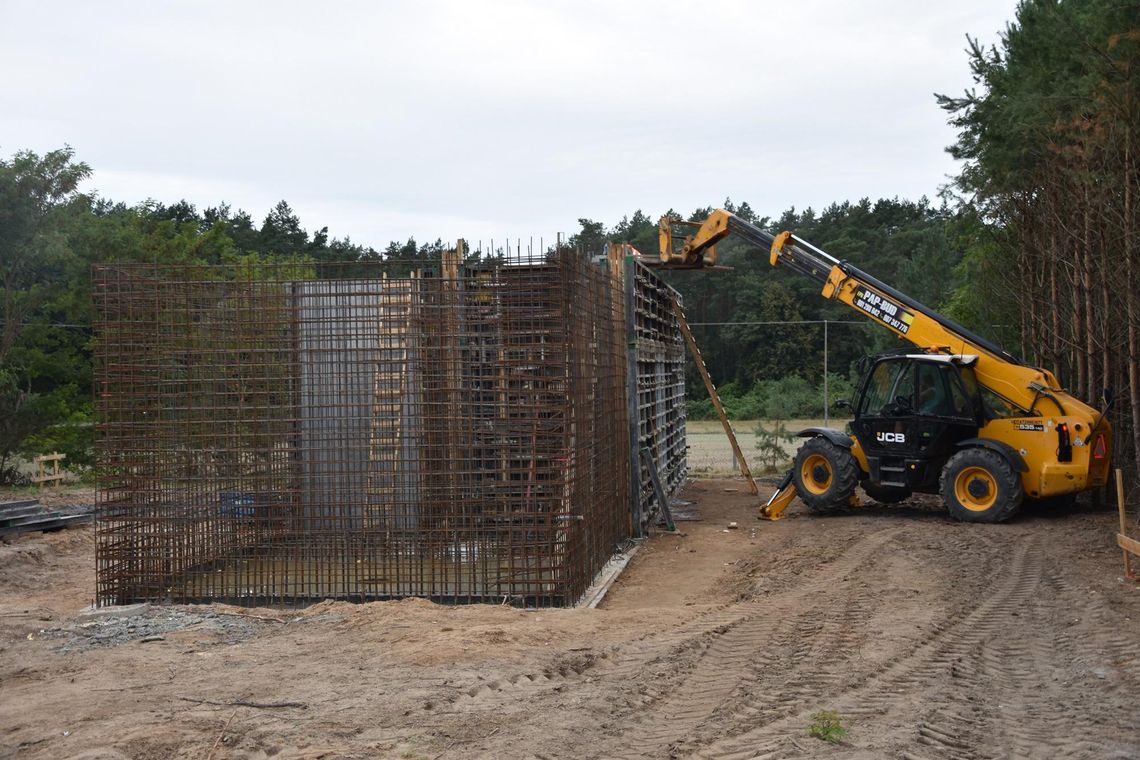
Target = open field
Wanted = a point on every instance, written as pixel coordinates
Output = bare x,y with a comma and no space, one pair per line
930,639
711,454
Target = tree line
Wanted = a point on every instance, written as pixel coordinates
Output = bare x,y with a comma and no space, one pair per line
52,234
1049,140
1033,244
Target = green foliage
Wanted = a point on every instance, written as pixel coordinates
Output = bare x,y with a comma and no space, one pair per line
1048,140
700,409
827,726
40,208
769,444
21,414
591,239
779,348
72,435
51,235
39,204
789,397
281,232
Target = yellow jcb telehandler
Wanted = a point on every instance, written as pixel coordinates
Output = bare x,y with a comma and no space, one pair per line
956,415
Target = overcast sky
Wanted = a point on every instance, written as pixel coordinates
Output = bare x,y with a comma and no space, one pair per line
385,120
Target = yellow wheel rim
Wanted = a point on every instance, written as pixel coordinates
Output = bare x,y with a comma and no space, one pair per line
976,489
816,474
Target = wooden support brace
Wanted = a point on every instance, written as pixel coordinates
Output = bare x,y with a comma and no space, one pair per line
1127,544
728,431
658,491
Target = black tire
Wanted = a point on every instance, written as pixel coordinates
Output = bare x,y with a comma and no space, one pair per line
825,475
886,494
979,485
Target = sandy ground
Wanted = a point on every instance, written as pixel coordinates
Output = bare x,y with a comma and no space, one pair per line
930,639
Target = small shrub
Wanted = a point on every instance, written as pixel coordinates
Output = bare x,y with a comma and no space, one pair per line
740,408
11,475
769,442
827,726
74,436
730,389
700,409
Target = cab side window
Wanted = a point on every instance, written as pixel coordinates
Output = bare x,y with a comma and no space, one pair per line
933,397
959,398
940,391
993,405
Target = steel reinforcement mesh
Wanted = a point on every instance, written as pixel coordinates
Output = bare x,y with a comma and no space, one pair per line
657,350
275,435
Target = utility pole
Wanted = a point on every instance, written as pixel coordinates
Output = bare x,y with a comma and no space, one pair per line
826,405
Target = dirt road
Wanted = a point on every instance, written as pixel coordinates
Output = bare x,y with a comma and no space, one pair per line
930,639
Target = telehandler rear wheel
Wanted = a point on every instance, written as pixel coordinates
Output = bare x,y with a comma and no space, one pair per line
979,485
825,475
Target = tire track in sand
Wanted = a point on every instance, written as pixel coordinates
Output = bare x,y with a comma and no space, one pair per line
756,642
950,654
726,637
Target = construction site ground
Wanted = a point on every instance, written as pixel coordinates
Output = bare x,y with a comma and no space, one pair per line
928,638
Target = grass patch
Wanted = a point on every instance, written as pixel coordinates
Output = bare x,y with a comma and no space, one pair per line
827,726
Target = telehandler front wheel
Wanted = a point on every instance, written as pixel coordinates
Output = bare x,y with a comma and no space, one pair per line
979,485
825,475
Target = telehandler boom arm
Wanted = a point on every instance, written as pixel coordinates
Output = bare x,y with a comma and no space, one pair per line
999,370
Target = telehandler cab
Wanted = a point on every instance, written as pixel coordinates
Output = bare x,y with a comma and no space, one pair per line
957,415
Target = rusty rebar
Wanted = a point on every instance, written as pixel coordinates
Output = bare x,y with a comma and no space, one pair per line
275,434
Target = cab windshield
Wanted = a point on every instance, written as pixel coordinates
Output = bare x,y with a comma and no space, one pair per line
879,391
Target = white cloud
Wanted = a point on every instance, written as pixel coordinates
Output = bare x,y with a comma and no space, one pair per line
448,118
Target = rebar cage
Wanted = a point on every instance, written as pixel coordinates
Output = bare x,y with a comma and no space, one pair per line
275,434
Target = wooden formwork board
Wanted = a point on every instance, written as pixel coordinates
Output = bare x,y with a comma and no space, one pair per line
657,387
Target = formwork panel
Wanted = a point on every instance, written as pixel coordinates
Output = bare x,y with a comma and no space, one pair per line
270,435
658,354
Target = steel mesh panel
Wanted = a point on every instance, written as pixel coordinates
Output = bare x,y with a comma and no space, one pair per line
278,434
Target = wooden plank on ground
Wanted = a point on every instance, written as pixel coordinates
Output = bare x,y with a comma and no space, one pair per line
55,522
